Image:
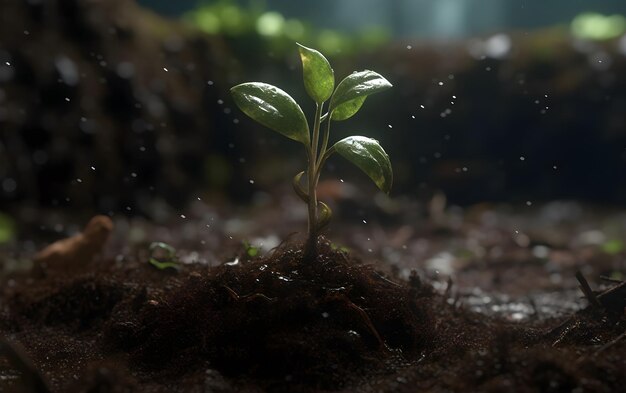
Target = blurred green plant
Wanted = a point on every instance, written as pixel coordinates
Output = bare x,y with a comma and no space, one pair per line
163,256
226,17
613,247
594,26
7,228
251,251
275,109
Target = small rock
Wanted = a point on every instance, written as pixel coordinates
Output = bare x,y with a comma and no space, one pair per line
75,252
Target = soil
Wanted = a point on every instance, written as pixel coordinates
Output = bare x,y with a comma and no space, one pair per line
278,323
430,297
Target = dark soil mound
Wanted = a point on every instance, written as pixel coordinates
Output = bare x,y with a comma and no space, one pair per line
280,323
281,317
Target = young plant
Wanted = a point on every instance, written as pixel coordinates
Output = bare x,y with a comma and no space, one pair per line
275,109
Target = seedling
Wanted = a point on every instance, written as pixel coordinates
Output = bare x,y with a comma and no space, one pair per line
163,256
275,109
251,250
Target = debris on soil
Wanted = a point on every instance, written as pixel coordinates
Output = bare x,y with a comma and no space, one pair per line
276,323
75,252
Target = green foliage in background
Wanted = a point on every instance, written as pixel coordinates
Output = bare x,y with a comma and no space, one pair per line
598,27
226,17
7,228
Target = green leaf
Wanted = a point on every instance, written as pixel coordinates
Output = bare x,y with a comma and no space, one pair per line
251,250
348,109
319,78
367,154
273,108
164,265
324,215
356,86
297,187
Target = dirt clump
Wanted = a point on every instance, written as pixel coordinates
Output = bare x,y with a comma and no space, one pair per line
281,318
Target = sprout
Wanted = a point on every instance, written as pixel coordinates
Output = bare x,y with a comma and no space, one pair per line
163,256
276,110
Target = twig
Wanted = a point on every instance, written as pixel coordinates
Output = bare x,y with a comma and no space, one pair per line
17,357
614,298
609,344
236,297
602,348
448,290
385,279
368,322
609,279
586,289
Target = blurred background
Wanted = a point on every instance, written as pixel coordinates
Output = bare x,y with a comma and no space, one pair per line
121,107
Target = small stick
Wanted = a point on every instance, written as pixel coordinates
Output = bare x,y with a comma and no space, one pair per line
17,357
586,289
602,348
609,279
610,344
533,304
367,321
235,297
387,280
448,288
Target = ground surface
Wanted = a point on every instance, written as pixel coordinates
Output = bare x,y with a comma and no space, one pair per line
492,304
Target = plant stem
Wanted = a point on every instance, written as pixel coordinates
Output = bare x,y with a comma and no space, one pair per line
310,248
322,155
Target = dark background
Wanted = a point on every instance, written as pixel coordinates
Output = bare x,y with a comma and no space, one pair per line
105,106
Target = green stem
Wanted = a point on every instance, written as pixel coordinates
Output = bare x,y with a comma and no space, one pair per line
310,248
322,154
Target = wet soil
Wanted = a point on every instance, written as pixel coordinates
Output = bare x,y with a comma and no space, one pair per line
279,323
